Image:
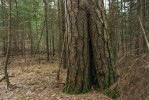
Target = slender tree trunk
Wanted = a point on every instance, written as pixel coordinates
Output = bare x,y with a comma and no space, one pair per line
8,48
47,34
53,52
122,29
23,42
3,24
63,25
62,35
130,25
144,34
143,21
59,26
125,27
17,31
137,33
22,39
112,32
31,37
51,22
4,46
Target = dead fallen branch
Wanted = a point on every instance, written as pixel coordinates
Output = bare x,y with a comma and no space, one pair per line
146,40
4,78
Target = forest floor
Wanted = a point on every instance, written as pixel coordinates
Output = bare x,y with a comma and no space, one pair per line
34,81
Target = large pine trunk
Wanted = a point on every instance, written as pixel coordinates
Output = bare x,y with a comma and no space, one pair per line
102,56
77,46
89,56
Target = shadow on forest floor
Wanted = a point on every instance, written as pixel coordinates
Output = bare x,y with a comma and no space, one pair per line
38,82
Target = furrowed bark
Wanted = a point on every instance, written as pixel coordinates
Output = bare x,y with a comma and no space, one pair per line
102,56
89,56
78,52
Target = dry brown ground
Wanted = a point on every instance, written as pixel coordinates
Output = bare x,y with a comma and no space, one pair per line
38,82
133,83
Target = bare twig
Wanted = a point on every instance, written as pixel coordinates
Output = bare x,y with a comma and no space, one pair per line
146,40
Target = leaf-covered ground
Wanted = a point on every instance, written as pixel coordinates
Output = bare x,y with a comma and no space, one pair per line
34,81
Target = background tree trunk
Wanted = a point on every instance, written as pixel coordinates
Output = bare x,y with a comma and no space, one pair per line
47,34
62,33
8,48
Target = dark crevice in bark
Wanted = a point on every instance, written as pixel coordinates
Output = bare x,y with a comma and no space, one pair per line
93,75
89,56
92,69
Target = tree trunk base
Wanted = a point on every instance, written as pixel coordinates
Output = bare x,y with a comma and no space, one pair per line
72,91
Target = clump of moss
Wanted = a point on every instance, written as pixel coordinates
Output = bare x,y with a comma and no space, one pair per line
85,90
110,93
73,92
